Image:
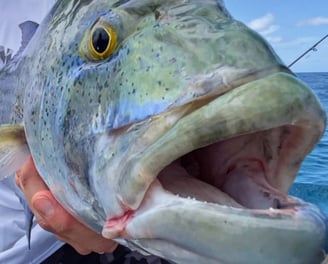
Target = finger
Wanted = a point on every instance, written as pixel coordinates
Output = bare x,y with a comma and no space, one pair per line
82,251
57,220
78,249
104,246
52,217
28,179
45,208
95,242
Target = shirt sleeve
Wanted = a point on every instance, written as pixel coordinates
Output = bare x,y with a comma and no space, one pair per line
13,240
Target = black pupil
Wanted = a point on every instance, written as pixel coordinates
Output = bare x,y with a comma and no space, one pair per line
100,40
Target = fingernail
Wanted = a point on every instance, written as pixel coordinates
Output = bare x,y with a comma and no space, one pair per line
44,207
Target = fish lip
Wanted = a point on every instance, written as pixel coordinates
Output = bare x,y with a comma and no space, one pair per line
294,208
204,90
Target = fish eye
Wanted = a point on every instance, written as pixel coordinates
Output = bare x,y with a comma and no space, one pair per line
101,42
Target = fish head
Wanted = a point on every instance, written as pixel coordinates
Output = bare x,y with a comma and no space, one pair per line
174,129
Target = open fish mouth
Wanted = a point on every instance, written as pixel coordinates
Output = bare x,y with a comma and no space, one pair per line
242,172
221,175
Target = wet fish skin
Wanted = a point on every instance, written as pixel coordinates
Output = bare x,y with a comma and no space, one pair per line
88,121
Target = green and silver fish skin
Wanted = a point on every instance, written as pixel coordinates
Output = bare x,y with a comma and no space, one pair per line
183,75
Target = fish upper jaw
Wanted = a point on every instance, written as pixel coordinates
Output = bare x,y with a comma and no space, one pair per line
275,101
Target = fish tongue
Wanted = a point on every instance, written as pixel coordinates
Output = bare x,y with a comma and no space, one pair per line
247,185
175,179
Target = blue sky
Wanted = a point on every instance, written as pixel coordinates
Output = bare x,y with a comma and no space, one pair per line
290,26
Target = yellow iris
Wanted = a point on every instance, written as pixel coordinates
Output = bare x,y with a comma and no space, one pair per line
100,42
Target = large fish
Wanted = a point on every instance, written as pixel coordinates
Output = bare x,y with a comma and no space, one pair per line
168,126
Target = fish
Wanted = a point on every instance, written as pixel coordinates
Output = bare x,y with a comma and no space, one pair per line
167,126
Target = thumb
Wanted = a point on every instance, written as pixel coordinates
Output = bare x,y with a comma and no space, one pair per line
44,208
43,205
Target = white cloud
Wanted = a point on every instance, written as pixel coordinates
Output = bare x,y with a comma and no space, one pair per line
315,21
301,41
265,26
274,40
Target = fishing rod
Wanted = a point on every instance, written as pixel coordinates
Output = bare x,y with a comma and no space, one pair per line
313,48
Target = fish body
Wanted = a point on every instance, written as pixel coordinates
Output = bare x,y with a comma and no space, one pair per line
168,126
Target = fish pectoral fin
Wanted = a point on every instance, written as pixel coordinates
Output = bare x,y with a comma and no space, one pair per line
28,29
28,221
14,150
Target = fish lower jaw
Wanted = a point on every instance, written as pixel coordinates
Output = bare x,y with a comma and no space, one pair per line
158,203
183,224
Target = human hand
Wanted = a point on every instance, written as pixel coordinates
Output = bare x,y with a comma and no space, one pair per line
52,217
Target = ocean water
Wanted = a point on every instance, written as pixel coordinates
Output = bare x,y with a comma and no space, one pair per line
312,182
